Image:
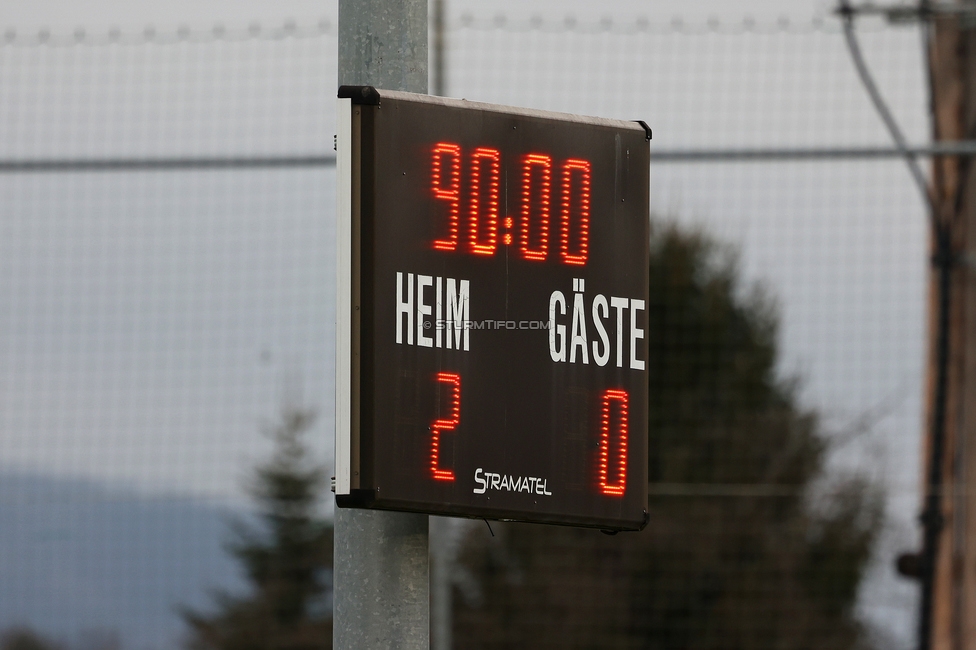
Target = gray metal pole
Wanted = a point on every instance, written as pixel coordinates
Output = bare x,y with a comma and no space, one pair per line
441,555
439,53
383,43
380,582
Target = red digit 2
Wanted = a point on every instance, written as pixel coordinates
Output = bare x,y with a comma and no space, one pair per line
440,425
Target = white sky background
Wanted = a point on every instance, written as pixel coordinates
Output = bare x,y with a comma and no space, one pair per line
118,349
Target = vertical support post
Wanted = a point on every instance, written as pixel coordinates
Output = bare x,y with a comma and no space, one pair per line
441,552
948,604
383,43
380,583
440,583
935,630
439,50
964,279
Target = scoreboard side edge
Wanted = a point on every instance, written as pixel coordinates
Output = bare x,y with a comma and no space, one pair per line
343,325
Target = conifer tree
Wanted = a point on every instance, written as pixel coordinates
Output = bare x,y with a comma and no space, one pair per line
741,553
287,558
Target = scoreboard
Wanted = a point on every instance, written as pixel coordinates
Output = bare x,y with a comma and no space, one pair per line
492,311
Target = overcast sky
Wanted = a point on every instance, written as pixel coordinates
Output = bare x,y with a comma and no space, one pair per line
98,13
152,319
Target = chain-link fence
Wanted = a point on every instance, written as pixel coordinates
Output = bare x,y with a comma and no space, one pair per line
166,281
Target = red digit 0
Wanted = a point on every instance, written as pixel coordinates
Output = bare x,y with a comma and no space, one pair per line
612,460
445,180
445,424
481,158
535,245
581,170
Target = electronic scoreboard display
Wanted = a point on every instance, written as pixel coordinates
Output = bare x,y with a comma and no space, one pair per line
492,311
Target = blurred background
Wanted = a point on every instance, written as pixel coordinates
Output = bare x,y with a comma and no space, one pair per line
166,325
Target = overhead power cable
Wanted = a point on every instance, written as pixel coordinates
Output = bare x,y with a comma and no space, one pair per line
847,13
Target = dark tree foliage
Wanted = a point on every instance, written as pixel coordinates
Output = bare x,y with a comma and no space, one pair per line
287,560
22,638
740,553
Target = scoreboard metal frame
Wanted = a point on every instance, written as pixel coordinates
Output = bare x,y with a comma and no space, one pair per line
491,356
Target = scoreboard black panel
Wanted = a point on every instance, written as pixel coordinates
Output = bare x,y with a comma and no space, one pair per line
497,288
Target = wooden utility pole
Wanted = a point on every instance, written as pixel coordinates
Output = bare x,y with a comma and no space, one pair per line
952,519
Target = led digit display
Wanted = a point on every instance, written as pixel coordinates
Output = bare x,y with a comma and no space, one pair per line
613,444
483,185
445,179
536,178
492,312
445,424
484,214
575,205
